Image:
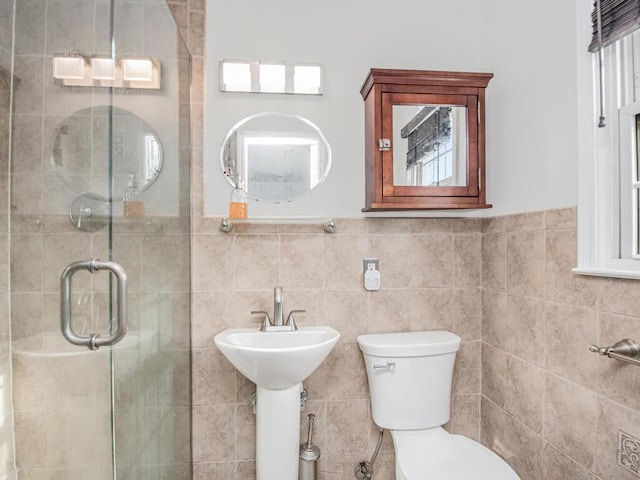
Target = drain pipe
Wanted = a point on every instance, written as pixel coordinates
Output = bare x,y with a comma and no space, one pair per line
364,470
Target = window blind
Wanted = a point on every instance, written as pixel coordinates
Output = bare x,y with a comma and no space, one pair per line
619,18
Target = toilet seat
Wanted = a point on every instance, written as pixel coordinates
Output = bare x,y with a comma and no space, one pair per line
436,454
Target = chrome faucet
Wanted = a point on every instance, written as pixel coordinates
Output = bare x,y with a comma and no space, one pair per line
278,324
278,314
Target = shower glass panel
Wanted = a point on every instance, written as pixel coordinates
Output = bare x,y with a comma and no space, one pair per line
100,169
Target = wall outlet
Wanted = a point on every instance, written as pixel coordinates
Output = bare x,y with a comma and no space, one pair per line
369,264
371,274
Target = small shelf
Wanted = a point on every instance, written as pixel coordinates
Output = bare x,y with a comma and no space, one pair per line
328,224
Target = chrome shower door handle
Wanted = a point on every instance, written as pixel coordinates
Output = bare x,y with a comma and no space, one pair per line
94,340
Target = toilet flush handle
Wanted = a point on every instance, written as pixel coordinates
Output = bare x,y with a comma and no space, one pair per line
391,366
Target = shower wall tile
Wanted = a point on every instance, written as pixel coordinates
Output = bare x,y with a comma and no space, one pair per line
30,27
28,90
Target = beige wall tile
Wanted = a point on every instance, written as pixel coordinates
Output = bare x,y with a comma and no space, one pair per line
465,416
570,414
389,311
213,266
214,433
562,285
570,330
525,263
557,466
493,427
494,224
467,260
494,364
525,450
561,218
347,426
494,264
525,221
397,259
526,328
468,367
256,264
302,261
494,319
426,309
430,225
346,311
618,295
346,376
465,310
524,383
343,257
392,225
433,253
214,378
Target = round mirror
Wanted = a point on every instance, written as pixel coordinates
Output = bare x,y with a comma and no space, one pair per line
86,155
275,157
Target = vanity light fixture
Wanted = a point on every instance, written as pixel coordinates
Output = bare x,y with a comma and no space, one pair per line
270,77
103,71
69,68
103,68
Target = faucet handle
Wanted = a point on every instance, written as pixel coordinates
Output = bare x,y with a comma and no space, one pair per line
290,320
266,322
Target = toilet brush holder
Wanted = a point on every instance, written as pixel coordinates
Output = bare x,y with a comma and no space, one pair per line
309,455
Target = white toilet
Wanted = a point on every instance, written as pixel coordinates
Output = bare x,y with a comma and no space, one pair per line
410,383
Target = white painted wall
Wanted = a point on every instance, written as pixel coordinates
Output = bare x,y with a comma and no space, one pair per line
531,105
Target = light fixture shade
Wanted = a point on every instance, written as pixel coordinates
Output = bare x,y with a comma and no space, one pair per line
272,78
137,69
103,68
236,76
307,79
68,68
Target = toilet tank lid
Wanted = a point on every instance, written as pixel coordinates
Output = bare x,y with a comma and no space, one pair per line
409,344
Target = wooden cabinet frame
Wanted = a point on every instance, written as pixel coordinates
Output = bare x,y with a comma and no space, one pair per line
384,88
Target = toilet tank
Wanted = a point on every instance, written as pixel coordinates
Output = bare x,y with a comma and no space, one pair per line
410,377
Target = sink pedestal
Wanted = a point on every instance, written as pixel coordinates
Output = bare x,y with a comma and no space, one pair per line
277,433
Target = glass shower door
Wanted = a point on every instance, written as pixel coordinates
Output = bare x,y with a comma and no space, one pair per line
102,172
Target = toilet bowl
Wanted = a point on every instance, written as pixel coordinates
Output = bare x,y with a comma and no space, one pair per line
410,378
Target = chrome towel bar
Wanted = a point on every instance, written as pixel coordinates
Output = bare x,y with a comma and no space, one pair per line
626,350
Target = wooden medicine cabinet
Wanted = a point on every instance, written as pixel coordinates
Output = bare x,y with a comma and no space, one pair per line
425,140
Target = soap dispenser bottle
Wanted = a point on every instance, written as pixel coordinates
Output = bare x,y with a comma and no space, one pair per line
133,206
238,202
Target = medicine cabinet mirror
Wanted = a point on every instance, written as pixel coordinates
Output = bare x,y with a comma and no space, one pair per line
275,157
118,140
424,134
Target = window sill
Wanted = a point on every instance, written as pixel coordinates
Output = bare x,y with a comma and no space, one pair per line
607,272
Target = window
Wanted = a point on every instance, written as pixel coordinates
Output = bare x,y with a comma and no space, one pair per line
609,202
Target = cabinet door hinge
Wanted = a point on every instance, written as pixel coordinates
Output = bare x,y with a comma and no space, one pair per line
384,144
479,179
478,112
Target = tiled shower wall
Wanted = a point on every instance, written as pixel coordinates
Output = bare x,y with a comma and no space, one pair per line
549,406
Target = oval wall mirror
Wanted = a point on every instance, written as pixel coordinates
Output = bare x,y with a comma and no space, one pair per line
82,148
275,157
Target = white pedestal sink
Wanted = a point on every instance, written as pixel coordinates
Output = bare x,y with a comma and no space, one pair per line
277,362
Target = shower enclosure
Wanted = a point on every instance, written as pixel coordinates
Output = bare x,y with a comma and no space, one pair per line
95,152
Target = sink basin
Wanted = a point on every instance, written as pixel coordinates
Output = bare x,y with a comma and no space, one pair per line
277,360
